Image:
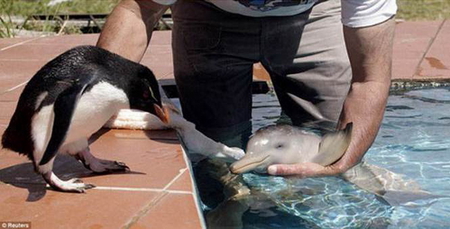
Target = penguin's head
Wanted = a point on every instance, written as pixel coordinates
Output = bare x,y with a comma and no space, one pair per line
144,95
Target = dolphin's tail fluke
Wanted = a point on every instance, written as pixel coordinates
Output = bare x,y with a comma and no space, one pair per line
390,187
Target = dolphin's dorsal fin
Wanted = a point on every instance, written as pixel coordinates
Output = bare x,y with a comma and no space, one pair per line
333,146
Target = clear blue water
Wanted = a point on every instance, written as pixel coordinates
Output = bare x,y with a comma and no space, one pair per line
414,140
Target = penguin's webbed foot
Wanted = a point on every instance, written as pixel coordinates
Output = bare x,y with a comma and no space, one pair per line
72,185
99,165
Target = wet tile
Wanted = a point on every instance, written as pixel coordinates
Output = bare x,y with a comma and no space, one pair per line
174,211
410,44
436,63
50,209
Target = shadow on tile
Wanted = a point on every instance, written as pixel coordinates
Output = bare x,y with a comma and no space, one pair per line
65,167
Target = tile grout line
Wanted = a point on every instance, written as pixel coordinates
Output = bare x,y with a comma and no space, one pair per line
428,49
163,192
175,179
141,189
20,43
14,88
144,211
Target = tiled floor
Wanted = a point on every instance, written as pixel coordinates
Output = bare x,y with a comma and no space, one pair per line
158,192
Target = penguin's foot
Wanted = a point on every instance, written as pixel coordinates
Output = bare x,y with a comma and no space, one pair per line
72,185
99,165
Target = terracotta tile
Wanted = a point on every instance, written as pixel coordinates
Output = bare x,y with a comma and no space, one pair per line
11,96
5,43
154,163
401,71
159,59
174,211
437,61
33,52
260,73
3,125
20,69
9,85
78,39
183,183
10,163
161,38
7,109
410,43
95,209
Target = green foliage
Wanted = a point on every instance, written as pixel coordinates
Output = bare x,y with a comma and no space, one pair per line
26,8
423,9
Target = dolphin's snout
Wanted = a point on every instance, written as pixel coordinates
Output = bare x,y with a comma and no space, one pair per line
248,163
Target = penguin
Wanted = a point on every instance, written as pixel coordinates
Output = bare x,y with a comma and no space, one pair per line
69,99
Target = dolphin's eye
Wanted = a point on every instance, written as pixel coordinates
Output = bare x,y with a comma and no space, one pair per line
279,146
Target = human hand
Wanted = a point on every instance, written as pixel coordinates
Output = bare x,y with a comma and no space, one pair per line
310,169
305,169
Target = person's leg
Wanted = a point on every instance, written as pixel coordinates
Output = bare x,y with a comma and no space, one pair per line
315,67
213,57
214,54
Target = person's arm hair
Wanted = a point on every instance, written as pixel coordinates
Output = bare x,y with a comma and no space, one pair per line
129,28
370,53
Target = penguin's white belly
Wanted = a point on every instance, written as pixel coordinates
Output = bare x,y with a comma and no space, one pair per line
94,109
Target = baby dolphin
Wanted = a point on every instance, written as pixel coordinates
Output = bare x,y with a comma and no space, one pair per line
284,144
68,100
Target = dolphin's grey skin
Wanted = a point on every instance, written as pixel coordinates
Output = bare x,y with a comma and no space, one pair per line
284,144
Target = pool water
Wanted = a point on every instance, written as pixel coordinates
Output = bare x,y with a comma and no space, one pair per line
414,140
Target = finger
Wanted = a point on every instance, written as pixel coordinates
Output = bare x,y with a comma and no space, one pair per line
301,169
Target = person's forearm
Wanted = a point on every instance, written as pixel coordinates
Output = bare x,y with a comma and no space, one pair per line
129,28
370,53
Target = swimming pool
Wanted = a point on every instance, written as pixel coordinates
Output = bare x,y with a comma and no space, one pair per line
414,140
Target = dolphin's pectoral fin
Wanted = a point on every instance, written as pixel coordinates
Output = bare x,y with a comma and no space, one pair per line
333,146
387,185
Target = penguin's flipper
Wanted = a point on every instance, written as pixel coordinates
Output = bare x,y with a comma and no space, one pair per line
63,109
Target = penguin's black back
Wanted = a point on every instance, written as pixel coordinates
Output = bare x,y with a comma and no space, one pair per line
56,76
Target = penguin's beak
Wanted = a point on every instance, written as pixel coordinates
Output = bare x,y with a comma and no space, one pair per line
162,112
